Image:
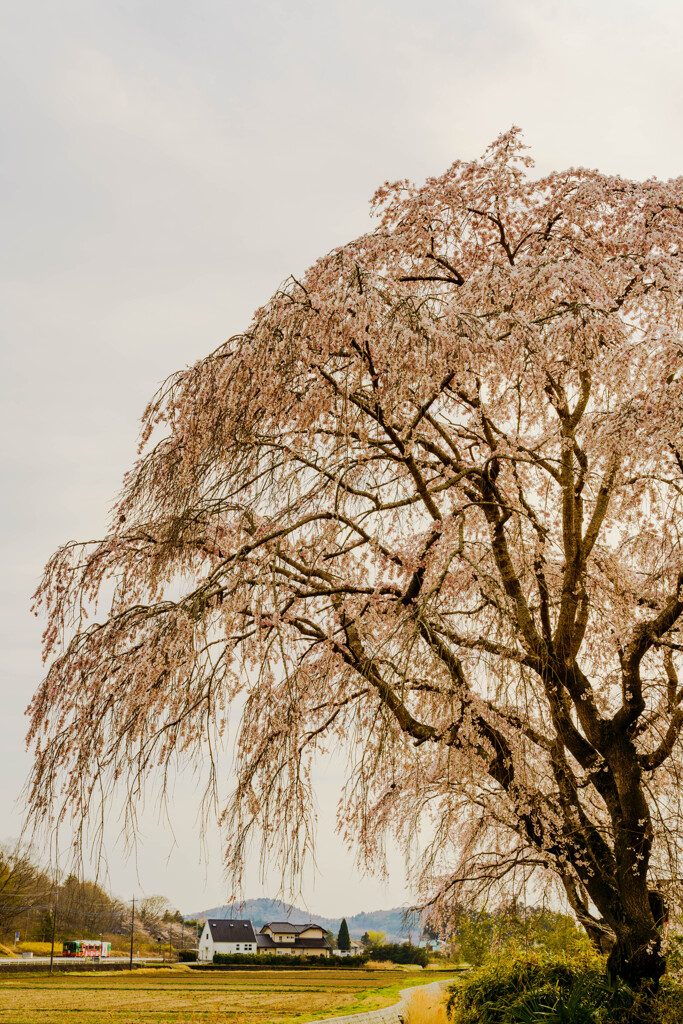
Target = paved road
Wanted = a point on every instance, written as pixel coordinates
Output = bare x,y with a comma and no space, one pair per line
397,1014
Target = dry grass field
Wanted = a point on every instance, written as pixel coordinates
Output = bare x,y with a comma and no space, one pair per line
426,1007
182,996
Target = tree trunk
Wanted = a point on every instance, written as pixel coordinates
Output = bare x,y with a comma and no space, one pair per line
635,915
637,958
632,910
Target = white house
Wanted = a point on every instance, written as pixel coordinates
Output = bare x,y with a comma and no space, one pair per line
224,936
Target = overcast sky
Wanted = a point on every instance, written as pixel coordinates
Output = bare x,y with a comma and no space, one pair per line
164,165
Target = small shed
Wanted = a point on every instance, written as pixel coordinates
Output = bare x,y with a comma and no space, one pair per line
222,935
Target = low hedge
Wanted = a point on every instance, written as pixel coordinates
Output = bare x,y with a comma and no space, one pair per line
284,960
396,953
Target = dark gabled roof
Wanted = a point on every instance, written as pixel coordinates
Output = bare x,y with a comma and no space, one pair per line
225,930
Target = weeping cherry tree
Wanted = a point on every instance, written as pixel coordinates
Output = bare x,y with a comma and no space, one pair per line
426,509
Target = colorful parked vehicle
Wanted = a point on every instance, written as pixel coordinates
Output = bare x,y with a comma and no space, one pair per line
86,947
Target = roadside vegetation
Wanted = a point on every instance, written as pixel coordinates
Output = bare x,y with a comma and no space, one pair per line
525,965
513,985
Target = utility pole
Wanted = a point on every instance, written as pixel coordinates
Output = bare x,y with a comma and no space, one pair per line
132,926
54,925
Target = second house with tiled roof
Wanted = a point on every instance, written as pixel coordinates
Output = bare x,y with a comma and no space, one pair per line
289,939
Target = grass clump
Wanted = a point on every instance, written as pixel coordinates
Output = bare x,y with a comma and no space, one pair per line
39,948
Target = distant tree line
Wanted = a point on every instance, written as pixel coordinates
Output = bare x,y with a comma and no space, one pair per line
32,903
471,934
25,890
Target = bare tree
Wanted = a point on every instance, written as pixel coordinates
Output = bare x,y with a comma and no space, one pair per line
23,886
427,507
153,912
86,910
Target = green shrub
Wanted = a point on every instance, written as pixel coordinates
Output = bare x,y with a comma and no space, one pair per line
400,953
674,951
187,956
670,1002
539,987
542,987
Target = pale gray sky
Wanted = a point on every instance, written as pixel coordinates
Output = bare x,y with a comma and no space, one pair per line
165,165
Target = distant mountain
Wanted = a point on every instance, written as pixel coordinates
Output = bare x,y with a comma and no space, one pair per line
393,922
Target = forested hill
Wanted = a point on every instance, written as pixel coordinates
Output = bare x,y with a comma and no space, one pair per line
392,922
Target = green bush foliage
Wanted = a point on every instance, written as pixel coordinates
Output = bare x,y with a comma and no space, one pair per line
474,934
535,987
545,988
674,951
400,953
187,956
